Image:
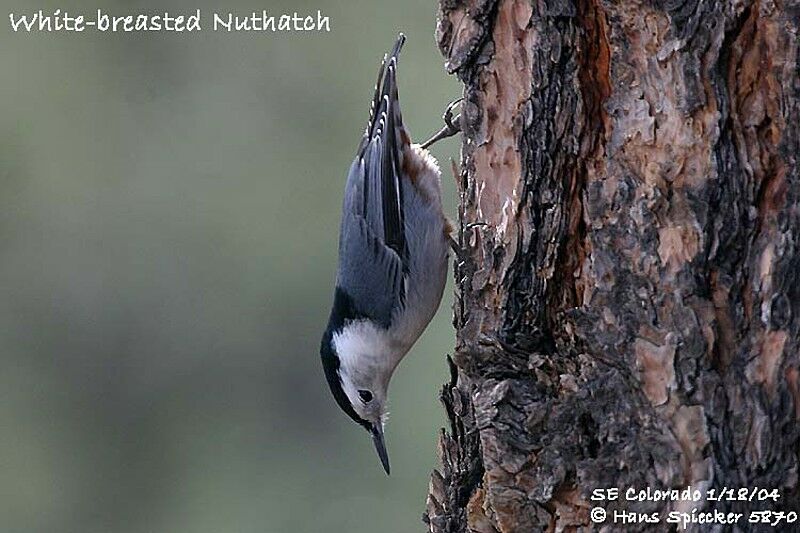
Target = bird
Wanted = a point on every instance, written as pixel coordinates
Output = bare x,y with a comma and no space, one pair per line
394,241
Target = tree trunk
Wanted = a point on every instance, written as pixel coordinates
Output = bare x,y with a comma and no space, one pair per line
628,301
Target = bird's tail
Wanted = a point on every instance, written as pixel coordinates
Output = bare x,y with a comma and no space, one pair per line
386,99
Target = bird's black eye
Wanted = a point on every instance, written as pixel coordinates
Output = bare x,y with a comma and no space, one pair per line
365,395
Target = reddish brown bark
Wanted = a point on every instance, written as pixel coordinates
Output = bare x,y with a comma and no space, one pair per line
628,310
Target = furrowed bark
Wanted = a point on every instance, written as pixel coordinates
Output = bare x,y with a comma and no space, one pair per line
628,305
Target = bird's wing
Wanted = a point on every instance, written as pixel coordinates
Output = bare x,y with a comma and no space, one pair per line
372,245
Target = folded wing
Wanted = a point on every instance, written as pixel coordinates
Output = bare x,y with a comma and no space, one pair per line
372,245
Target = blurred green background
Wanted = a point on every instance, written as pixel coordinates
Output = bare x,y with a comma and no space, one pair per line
169,210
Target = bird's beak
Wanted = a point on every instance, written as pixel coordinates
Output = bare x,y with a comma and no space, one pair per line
380,445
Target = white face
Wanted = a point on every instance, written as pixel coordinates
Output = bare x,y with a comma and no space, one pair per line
367,361
367,398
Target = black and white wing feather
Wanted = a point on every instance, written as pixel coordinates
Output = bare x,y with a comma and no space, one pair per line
372,241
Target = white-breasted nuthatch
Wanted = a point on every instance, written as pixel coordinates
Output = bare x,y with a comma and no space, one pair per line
393,254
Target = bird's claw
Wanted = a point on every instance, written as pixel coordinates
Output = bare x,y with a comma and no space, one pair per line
451,124
448,116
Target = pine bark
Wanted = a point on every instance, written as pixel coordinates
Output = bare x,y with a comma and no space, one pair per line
628,301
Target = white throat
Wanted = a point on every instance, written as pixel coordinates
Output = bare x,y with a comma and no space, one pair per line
367,350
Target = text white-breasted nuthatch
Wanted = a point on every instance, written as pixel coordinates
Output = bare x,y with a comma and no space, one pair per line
393,255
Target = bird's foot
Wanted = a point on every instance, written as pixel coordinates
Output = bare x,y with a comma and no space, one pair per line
452,125
461,254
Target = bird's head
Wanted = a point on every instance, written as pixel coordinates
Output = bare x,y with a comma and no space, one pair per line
358,365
